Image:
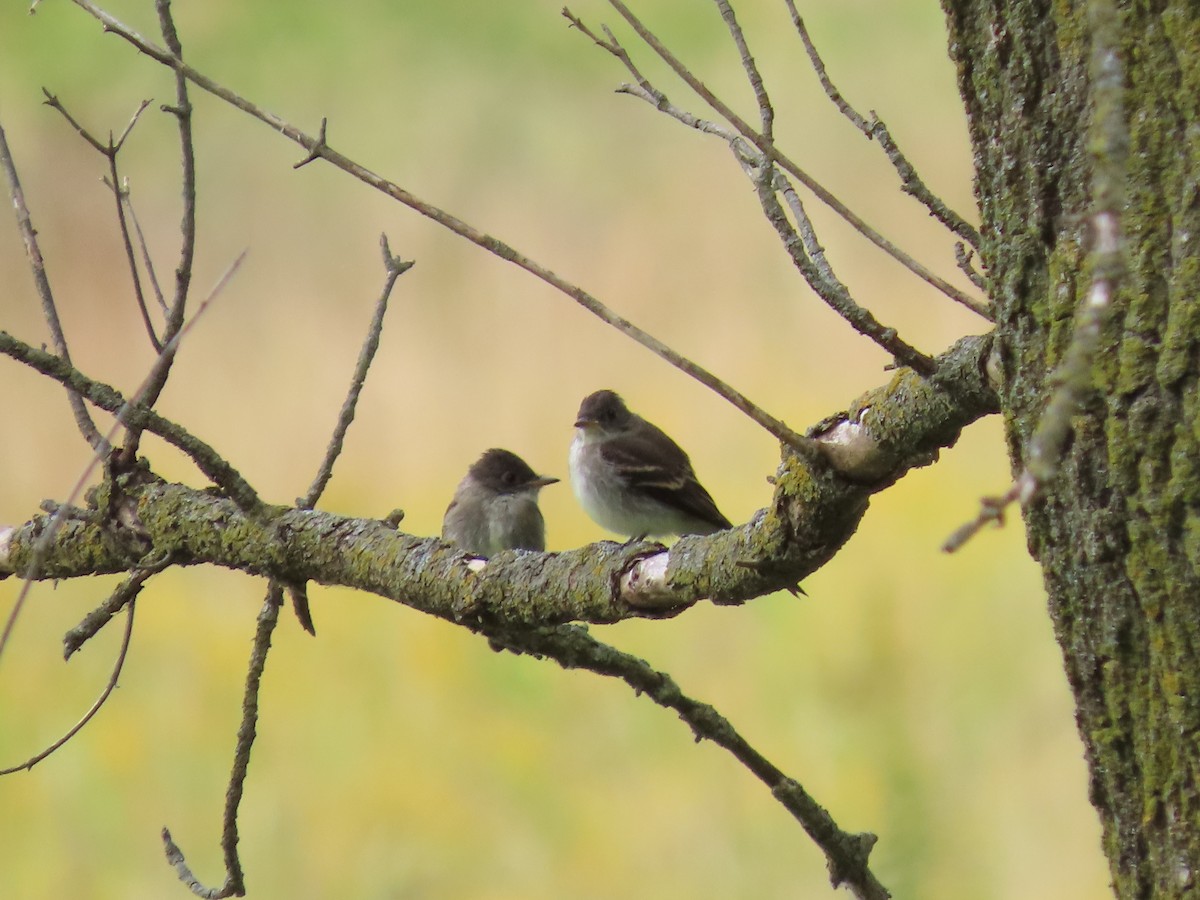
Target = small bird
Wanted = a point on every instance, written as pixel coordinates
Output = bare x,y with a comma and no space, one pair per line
633,479
495,506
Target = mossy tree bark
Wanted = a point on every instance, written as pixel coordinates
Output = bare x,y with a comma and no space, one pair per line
1118,531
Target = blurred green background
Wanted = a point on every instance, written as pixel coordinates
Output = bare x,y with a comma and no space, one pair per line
915,695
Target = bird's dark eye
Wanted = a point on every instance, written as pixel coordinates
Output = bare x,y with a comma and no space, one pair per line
509,477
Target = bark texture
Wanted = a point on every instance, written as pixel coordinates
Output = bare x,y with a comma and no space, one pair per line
1118,532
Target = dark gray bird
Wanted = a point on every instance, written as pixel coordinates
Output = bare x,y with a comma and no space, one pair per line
633,479
495,506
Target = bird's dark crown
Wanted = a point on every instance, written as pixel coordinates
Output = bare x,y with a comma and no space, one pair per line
503,470
604,408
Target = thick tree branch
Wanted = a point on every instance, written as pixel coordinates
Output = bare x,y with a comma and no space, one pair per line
816,506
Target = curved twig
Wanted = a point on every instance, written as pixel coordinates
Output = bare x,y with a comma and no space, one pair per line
130,588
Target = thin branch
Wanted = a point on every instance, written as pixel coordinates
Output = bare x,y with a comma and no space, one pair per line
130,256
913,185
128,591
991,509
41,280
766,112
182,110
874,129
814,58
395,267
234,885
612,45
146,260
125,593
775,155
1109,148
493,245
828,287
809,258
573,648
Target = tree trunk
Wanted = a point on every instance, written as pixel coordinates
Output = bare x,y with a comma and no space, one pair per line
1118,531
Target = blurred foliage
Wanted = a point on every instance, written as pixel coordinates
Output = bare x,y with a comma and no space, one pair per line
917,696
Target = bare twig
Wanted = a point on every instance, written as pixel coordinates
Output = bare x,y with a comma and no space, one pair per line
41,280
121,194
874,129
100,616
766,112
234,885
146,260
965,259
610,43
129,590
814,58
298,594
1109,147
395,267
573,648
493,245
775,155
182,110
809,257
991,509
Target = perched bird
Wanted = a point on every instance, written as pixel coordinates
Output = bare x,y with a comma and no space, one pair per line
495,506
633,479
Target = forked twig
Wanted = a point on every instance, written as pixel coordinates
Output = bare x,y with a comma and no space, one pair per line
109,151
